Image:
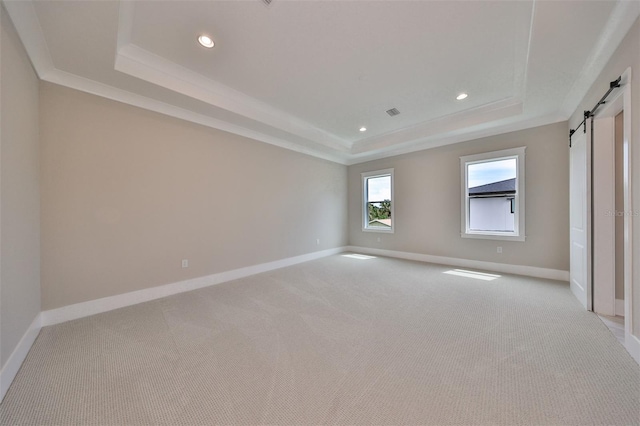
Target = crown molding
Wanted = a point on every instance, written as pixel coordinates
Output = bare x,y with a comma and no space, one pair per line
99,89
441,126
453,138
140,63
620,21
459,127
25,20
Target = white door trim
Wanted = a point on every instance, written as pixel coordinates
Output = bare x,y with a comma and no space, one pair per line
620,100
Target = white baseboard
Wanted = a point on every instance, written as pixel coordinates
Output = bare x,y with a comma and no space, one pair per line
17,357
632,344
92,307
619,307
531,271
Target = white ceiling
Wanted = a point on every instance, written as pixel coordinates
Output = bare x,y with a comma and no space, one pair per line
306,75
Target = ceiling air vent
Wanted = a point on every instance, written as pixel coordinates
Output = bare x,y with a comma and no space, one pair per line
267,2
393,112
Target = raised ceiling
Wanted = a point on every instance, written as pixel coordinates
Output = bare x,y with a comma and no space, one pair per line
306,75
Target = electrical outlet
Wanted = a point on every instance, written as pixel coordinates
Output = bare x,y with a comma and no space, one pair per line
317,241
499,249
185,263
378,239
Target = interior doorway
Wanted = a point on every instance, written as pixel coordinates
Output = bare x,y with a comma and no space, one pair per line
613,318
612,218
619,210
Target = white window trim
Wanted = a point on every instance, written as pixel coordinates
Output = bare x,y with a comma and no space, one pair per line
519,233
365,213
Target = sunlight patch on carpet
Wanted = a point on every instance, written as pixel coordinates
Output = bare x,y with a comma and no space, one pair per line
358,256
472,274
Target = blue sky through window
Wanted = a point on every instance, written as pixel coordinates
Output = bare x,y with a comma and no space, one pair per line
491,171
379,188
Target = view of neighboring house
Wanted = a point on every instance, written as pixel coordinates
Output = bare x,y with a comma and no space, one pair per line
380,223
492,207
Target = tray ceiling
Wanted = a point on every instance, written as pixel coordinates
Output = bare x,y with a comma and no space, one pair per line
308,75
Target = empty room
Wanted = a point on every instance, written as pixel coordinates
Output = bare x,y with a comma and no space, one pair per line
319,212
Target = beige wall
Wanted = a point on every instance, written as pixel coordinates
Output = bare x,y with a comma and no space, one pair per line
19,192
127,193
427,201
626,55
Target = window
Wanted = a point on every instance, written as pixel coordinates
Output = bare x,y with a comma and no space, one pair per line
378,201
493,195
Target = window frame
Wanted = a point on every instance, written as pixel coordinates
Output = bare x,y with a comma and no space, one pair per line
519,220
365,211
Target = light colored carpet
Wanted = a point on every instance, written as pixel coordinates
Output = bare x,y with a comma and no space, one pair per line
335,341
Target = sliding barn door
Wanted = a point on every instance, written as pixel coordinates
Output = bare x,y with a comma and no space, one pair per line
579,205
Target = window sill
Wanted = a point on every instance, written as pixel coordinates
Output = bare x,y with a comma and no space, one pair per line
498,237
384,231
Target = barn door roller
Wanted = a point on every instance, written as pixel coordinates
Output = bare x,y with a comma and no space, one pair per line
614,84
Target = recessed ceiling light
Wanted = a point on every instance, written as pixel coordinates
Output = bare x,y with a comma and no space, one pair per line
461,96
206,41
363,129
